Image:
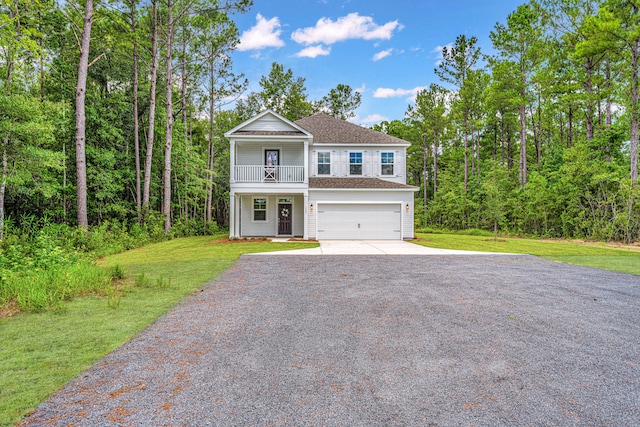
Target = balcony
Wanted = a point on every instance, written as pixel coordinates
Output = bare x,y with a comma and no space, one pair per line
269,174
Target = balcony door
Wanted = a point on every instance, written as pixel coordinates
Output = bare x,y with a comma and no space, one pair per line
271,163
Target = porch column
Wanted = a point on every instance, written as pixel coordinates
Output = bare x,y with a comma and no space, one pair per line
306,166
238,216
305,232
232,216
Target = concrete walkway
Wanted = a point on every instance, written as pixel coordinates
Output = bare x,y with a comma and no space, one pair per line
374,247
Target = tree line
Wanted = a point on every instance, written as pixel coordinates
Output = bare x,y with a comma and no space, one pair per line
539,137
143,86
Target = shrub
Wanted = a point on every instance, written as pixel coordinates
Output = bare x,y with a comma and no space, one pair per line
47,289
42,264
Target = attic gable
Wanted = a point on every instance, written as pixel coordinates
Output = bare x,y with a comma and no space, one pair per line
268,123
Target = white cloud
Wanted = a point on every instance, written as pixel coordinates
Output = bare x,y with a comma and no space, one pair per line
352,26
438,49
266,33
313,51
384,92
372,118
383,54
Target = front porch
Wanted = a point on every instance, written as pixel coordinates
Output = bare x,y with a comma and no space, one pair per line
268,215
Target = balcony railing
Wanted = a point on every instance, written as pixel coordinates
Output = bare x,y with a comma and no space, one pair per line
269,174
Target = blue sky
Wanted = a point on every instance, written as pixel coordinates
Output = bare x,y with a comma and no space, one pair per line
386,49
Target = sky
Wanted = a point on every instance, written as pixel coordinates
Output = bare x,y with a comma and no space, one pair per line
385,49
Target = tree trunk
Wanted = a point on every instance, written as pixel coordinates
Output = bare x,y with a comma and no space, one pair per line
41,58
466,154
608,117
570,140
424,171
210,179
166,210
589,92
81,91
7,90
478,153
635,110
13,15
152,109
495,141
473,151
136,124
539,132
510,156
502,143
211,144
185,131
3,186
523,144
435,164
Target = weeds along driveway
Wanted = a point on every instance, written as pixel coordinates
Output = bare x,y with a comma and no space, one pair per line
377,340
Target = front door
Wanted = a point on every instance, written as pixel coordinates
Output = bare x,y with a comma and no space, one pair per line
284,218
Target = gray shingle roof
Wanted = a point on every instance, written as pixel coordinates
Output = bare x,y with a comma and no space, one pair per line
358,183
328,129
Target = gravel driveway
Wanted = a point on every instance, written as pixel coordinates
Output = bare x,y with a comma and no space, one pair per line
377,340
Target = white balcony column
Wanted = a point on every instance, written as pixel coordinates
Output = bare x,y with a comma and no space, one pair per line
306,164
232,161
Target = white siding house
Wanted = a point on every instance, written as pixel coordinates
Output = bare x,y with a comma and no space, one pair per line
317,178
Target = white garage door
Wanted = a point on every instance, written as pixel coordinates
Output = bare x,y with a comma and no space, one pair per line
359,221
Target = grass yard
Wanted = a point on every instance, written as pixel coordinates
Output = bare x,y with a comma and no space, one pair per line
623,258
39,353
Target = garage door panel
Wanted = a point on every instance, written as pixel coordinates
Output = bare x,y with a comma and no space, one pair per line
359,221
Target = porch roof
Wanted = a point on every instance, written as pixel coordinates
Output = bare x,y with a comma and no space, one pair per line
356,183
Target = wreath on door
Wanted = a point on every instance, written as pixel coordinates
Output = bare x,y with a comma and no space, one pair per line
284,213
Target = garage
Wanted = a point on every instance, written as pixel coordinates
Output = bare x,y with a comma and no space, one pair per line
362,221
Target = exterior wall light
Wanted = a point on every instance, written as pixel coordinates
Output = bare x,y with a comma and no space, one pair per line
311,208
407,207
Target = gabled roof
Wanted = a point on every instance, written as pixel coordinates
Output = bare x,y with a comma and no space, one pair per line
356,183
268,123
327,129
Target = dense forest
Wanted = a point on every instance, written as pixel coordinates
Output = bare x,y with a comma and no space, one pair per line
113,114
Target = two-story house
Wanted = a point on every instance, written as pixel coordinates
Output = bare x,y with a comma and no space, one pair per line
317,178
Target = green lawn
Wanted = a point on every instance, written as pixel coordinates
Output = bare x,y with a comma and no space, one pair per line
39,353
600,255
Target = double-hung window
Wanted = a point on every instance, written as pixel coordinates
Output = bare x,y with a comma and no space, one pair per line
259,209
324,163
355,163
386,163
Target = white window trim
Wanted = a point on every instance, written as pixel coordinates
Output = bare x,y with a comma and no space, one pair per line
361,163
393,164
266,210
318,163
